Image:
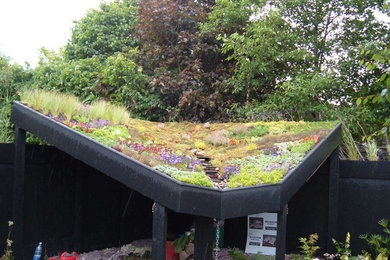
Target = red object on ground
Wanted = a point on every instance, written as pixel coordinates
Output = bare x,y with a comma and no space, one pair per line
170,252
66,256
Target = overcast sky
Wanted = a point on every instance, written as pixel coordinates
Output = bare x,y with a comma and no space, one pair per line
28,25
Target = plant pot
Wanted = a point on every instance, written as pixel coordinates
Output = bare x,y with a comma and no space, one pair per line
170,252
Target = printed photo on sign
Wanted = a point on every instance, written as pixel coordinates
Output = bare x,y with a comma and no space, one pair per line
256,223
269,240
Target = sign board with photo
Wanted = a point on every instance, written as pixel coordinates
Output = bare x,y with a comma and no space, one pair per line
262,229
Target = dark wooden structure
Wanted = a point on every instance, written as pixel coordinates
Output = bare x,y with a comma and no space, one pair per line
202,202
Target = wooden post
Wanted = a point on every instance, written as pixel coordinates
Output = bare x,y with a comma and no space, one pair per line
159,232
204,238
281,234
18,192
78,198
334,177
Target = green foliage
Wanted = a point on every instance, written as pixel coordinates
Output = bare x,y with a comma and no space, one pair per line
380,244
308,246
237,254
243,179
12,78
191,177
343,248
6,132
124,82
230,16
329,28
378,59
103,32
302,147
108,135
312,91
116,78
265,53
78,77
181,242
256,131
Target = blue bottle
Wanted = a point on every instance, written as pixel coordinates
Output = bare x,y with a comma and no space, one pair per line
38,252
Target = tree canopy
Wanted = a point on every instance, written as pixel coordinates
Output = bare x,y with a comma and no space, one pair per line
227,60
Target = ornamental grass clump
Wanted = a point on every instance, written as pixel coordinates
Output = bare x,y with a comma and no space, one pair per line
350,150
70,106
218,138
372,150
104,110
52,102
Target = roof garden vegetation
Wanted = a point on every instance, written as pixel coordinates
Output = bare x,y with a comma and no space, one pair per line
220,155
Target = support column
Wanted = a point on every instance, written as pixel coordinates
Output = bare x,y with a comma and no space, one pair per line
78,198
18,192
159,232
281,234
334,179
204,238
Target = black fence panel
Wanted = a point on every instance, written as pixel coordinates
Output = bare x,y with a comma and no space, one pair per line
71,206
308,211
364,200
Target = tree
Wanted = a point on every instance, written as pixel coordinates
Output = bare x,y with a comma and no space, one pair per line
103,32
265,55
185,66
13,78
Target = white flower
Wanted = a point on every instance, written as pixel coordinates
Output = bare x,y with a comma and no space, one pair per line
9,242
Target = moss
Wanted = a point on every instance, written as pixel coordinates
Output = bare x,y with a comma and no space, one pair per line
109,135
191,177
303,147
243,179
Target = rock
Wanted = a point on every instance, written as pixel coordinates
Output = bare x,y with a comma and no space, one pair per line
199,153
161,125
186,137
207,125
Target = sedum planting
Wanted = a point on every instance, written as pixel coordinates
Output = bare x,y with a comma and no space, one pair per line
220,155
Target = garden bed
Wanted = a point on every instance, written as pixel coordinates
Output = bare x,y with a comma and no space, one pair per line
158,159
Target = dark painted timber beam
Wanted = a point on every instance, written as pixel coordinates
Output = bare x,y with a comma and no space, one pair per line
159,232
281,233
18,192
204,238
334,180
